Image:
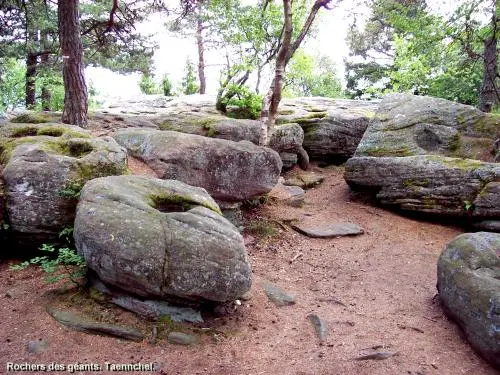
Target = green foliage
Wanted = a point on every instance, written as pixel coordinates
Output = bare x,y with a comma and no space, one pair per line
72,189
53,82
58,264
12,83
406,48
189,85
309,76
247,103
166,86
148,85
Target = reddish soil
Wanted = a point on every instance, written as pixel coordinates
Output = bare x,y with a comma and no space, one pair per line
377,289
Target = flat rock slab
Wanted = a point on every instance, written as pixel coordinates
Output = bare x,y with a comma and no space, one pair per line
330,230
277,295
148,309
291,195
82,324
180,338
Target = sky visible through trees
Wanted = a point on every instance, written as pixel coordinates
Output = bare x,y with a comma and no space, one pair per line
173,50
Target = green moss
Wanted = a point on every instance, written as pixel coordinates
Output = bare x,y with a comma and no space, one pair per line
455,143
311,108
385,151
177,203
285,112
413,183
26,131
429,202
488,124
463,164
262,228
31,118
167,125
210,130
54,131
310,118
8,145
73,148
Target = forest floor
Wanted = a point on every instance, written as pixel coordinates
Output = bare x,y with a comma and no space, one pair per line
375,292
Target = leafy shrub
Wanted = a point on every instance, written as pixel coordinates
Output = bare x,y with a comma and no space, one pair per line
59,264
246,103
166,86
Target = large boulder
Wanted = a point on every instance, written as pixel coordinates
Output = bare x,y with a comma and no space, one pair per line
414,156
332,128
286,139
44,168
229,171
469,289
160,239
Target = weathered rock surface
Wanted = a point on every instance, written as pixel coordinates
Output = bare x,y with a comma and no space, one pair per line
329,230
408,125
146,308
285,139
83,324
45,167
160,239
229,171
469,288
413,157
333,128
290,195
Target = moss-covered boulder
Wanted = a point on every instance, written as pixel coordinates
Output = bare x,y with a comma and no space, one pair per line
332,128
44,169
416,155
32,117
408,125
229,171
160,239
286,139
468,276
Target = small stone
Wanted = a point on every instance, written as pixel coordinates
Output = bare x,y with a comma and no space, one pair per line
330,230
319,326
37,346
180,338
277,295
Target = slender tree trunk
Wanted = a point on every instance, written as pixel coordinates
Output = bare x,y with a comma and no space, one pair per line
272,99
75,89
31,62
259,77
489,95
201,50
44,60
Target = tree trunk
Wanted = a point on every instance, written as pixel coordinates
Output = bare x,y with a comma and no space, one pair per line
201,50
272,99
75,89
489,95
259,77
31,62
44,60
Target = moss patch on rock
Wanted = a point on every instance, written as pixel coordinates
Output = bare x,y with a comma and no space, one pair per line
72,148
385,151
31,118
171,202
